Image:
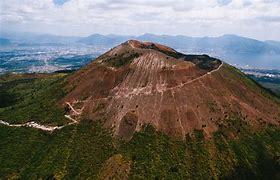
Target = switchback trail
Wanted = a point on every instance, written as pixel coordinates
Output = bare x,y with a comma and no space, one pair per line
35,125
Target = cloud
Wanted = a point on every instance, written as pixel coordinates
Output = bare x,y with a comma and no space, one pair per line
269,18
224,2
60,2
252,18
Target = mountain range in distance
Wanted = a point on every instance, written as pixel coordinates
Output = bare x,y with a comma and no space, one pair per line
234,49
5,42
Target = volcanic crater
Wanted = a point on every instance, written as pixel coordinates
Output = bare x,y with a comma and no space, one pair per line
139,83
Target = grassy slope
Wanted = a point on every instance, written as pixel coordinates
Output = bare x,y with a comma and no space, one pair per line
270,83
273,86
121,59
236,76
35,99
80,151
76,151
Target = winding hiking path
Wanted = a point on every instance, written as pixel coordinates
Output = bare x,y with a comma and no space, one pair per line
35,125
200,77
162,87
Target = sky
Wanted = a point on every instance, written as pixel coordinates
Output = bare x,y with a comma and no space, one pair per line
258,19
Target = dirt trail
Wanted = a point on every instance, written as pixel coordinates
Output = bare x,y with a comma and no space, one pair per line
71,107
208,73
35,125
162,88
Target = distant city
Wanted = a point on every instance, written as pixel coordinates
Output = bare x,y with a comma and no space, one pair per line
21,52
44,53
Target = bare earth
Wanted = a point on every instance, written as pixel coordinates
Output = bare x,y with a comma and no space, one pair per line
174,94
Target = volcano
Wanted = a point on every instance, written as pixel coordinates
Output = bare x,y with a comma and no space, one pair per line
140,111
143,83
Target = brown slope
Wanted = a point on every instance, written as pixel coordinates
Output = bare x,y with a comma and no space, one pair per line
140,83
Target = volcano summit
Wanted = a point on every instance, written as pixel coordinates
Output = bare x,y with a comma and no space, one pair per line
139,111
140,83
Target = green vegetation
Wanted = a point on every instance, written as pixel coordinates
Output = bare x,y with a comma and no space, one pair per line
86,150
122,59
274,87
235,76
32,99
75,151
202,61
272,84
213,106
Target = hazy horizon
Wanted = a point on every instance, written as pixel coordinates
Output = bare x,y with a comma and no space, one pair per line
258,19
136,35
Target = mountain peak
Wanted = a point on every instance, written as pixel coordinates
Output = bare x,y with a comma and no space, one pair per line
128,53
149,45
139,83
